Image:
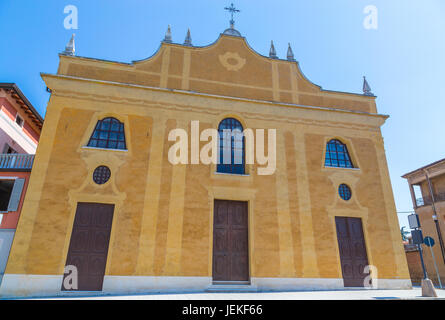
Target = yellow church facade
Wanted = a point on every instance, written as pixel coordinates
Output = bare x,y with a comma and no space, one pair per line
105,198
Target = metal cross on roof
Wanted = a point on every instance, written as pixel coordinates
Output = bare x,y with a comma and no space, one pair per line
232,10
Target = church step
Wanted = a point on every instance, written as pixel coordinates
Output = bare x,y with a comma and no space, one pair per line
227,288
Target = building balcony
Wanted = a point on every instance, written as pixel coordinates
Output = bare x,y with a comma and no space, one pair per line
16,162
427,200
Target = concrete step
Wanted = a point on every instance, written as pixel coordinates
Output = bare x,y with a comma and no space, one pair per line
231,288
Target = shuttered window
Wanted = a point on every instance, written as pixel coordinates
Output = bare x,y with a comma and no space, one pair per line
16,194
10,194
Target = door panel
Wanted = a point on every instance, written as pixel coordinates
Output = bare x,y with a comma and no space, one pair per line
88,248
352,249
230,241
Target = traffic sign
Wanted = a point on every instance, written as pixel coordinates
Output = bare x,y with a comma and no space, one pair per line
413,220
417,236
428,241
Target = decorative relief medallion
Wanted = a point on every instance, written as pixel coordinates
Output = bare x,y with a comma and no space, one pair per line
232,61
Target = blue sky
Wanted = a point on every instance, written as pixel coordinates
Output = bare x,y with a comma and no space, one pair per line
402,59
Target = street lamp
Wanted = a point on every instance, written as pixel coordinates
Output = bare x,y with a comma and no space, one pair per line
433,205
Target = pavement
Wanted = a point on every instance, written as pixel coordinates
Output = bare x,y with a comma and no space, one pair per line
415,293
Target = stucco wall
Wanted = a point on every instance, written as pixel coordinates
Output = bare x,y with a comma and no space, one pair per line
25,137
163,219
68,171
429,230
5,138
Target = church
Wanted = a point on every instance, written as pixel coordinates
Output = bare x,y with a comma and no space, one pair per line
108,212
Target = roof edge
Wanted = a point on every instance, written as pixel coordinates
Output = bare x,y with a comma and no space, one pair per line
244,39
407,175
13,86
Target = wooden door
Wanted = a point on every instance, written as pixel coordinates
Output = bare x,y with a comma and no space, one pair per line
353,256
230,241
88,248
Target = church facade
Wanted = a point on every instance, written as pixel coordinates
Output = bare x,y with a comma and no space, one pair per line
108,212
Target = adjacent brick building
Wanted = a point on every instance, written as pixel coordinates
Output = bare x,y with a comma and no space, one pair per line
20,126
427,187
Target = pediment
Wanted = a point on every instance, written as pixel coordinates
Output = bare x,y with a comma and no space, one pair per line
227,67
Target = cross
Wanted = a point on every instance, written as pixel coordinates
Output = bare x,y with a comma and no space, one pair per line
232,10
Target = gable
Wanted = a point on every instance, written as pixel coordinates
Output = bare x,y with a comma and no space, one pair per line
228,67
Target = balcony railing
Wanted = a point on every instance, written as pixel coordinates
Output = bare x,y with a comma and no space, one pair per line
14,161
427,200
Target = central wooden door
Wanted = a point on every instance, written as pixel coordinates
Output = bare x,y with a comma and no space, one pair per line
353,256
230,241
88,248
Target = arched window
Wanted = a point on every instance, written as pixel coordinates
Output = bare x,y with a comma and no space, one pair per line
231,147
337,155
109,133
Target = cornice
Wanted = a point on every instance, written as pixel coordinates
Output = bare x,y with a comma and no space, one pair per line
62,91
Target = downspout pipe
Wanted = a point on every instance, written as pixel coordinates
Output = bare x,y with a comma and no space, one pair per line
439,234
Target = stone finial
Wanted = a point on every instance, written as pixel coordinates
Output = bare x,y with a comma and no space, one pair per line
188,39
366,88
168,35
272,52
70,47
290,54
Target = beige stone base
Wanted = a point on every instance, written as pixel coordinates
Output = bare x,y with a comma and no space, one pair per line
21,285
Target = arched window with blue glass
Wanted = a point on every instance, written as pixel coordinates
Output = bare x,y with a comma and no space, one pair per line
231,147
337,155
108,134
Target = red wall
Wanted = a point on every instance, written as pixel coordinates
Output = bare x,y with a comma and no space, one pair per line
7,108
11,219
30,132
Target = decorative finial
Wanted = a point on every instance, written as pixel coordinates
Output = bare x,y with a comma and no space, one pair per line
366,88
168,35
290,54
188,39
272,52
70,47
232,10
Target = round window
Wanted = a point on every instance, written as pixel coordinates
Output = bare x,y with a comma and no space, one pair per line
345,192
101,174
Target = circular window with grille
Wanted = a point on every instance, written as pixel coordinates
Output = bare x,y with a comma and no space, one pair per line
345,192
101,174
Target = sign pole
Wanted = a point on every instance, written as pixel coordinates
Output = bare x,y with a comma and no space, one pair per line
425,275
435,266
417,238
430,243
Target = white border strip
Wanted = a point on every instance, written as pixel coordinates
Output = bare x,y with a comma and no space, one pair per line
13,131
23,285
140,284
